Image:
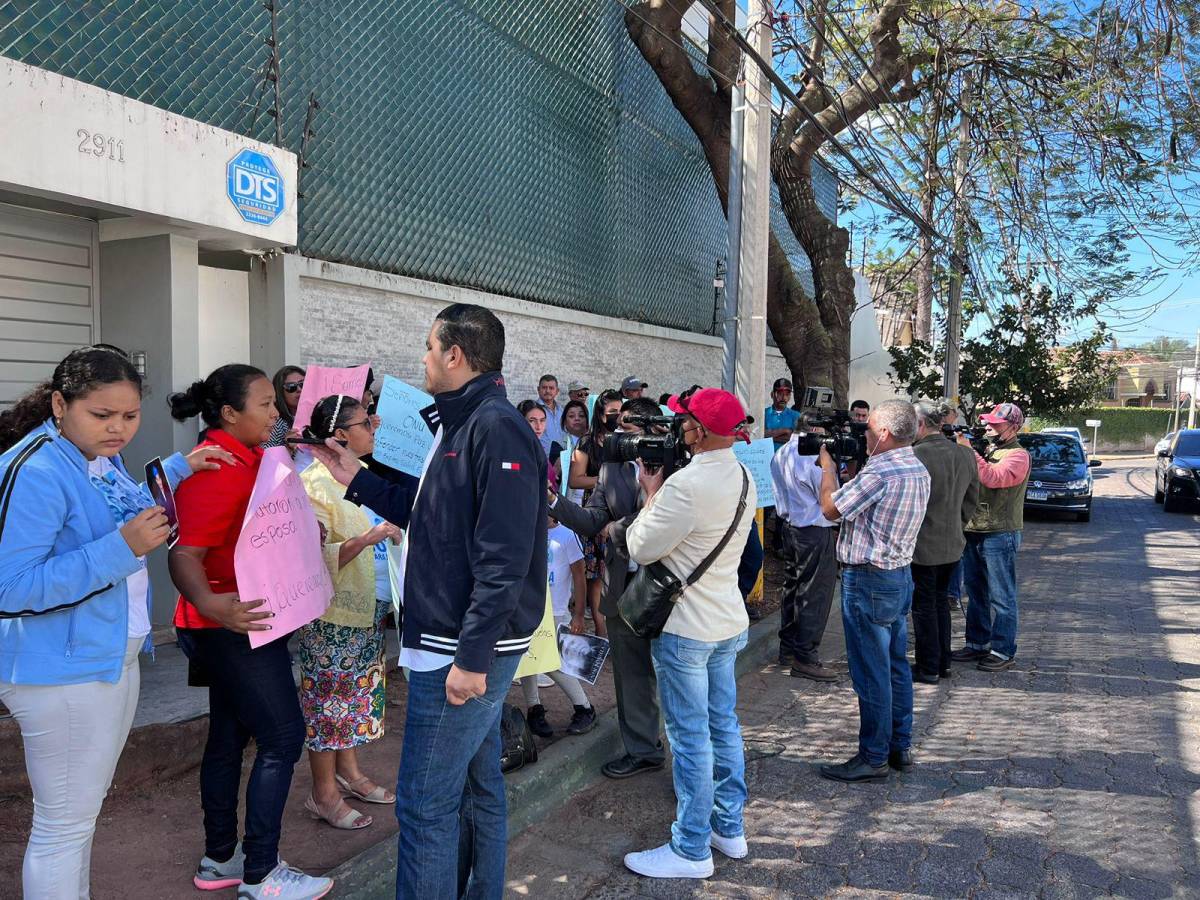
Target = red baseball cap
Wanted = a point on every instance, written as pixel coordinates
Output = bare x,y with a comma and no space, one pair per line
717,410
1004,414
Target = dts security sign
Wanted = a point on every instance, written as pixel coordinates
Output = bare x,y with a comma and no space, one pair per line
255,187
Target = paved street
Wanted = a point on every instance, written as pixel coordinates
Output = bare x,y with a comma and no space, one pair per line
1076,774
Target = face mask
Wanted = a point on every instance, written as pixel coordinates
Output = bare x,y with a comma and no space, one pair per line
611,422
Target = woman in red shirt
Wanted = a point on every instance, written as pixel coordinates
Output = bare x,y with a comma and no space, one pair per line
251,692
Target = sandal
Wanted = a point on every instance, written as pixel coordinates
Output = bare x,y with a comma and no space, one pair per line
351,820
378,794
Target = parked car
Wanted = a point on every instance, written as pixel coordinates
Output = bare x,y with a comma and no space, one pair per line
1177,473
1059,478
1162,445
1073,432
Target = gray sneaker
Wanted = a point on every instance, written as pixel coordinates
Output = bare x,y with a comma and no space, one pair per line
216,876
285,883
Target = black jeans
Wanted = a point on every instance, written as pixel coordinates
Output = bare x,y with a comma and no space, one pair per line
807,590
251,694
931,616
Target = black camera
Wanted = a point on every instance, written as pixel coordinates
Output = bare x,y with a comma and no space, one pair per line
976,434
664,451
844,438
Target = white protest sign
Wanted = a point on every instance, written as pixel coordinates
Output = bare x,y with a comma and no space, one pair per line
756,456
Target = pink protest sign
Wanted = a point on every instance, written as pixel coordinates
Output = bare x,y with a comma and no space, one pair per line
278,554
325,381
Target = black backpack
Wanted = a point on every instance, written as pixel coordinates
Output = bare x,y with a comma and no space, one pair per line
517,747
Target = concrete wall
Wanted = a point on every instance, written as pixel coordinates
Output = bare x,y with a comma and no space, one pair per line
224,317
349,316
149,290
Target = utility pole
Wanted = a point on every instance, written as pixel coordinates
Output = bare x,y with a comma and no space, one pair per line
957,264
750,374
734,205
1195,383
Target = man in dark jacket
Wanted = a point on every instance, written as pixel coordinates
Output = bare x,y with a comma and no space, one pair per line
953,493
474,591
614,503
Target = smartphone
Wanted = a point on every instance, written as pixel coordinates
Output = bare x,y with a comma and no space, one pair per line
160,490
309,442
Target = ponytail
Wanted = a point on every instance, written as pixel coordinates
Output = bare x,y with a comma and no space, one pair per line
78,374
225,386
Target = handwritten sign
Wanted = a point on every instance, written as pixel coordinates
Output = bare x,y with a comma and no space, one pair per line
756,456
325,381
278,554
402,440
542,655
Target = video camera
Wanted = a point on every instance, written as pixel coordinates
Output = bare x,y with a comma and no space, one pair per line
976,434
845,439
665,451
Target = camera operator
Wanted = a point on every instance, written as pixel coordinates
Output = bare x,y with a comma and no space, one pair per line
993,538
612,504
687,517
881,511
953,493
811,566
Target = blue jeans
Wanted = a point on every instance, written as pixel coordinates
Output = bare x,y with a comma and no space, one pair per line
450,792
990,573
251,694
698,688
875,605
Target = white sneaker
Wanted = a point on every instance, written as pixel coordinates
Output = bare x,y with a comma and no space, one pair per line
214,876
285,883
734,847
663,862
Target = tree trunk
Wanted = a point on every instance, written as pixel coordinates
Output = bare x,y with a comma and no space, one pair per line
705,104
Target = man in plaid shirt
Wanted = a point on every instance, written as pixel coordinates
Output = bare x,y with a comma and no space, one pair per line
881,511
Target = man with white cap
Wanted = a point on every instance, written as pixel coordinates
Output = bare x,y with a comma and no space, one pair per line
993,538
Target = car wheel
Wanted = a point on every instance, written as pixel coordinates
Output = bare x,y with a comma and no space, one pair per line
1158,495
1171,503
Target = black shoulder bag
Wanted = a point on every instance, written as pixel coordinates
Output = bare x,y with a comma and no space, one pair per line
654,590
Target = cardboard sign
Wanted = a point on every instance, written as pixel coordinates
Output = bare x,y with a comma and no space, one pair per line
278,554
403,438
756,456
542,655
325,381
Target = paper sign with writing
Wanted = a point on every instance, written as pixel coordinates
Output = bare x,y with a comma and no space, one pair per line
756,456
542,655
403,438
278,554
325,381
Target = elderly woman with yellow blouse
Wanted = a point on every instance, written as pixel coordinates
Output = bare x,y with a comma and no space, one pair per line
342,688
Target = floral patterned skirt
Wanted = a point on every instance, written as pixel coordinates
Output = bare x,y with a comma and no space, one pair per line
342,684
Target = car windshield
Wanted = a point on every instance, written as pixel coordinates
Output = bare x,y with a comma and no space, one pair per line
1046,448
1188,444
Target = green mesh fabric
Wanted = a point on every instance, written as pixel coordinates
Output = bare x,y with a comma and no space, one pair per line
524,149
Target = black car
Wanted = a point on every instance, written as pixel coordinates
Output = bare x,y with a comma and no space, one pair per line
1177,476
1059,478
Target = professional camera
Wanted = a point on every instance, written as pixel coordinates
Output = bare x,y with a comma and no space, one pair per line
976,434
655,451
845,439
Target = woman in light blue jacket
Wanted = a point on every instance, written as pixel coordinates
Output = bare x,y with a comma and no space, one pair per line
75,597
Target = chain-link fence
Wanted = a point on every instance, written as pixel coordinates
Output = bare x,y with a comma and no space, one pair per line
520,148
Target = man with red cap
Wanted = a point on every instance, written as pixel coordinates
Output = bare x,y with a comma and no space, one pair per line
685,518
993,538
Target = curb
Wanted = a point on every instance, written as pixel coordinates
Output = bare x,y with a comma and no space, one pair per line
535,791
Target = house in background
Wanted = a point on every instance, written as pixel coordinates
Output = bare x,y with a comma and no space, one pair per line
1142,381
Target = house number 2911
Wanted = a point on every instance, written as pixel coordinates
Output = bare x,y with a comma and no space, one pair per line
96,144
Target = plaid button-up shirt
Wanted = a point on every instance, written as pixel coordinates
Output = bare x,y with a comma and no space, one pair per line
882,510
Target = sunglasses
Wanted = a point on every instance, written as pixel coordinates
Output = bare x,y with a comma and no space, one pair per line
293,386
366,422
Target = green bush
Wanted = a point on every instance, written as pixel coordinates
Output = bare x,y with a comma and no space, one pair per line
1126,427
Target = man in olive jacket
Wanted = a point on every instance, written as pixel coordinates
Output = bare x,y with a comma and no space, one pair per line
953,494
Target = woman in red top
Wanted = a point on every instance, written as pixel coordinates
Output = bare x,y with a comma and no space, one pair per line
251,692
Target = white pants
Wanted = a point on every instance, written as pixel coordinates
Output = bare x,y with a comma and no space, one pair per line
73,735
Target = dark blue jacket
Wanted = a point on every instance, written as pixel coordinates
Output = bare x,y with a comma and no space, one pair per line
475,579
